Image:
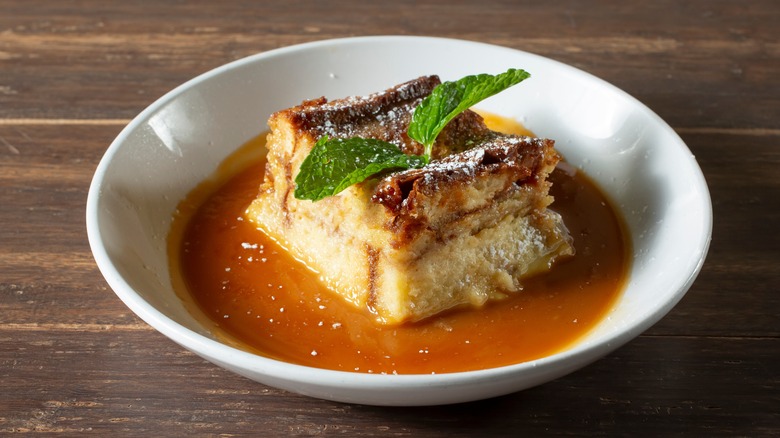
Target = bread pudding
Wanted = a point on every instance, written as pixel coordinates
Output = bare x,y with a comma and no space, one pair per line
465,229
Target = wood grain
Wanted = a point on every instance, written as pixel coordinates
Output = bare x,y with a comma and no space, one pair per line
75,360
134,385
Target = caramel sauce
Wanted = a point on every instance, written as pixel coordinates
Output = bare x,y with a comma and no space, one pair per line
258,298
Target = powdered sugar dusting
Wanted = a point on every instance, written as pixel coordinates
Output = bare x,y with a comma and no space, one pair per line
383,116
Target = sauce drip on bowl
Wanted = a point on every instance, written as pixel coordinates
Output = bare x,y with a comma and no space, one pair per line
258,298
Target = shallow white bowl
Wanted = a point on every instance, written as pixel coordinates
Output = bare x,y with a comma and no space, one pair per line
179,140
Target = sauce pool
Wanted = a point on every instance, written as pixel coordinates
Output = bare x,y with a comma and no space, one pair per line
253,295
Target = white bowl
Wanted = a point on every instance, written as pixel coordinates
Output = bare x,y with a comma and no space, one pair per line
179,140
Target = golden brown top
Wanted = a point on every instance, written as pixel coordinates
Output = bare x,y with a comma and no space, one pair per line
446,188
384,116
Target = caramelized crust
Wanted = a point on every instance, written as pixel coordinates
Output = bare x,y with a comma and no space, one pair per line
383,116
507,162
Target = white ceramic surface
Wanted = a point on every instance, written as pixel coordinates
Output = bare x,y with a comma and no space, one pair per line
180,139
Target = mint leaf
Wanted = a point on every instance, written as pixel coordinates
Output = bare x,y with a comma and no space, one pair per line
335,164
452,98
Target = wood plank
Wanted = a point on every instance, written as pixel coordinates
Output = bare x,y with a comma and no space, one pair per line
136,382
45,172
724,90
569,17
707,66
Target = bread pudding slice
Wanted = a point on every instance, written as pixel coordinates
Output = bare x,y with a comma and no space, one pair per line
465,229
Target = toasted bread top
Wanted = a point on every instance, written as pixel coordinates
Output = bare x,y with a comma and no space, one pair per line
384,116
471,167
465,182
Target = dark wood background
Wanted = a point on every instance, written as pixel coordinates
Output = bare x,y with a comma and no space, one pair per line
73,359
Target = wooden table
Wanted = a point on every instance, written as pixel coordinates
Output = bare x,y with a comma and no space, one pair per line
74,359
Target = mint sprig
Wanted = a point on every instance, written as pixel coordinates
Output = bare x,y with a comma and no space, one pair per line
452,98
335,164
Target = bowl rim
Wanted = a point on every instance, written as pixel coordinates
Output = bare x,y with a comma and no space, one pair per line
310,375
